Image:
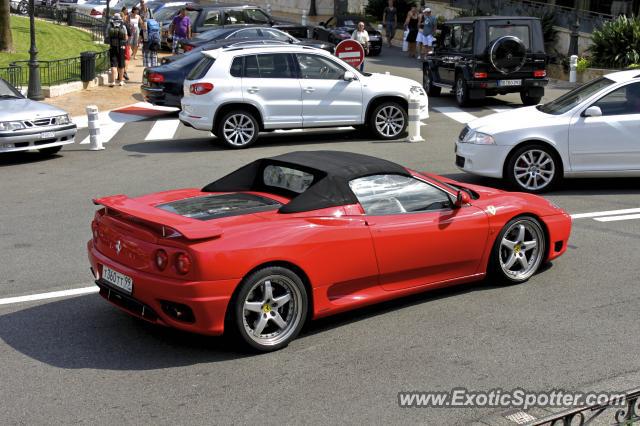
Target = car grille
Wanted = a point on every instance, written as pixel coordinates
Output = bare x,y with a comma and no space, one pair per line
459,161
51,121
463,133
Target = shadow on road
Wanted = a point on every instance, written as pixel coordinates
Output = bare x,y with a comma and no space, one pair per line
24,157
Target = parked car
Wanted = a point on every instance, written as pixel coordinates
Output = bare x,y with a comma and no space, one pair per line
591,131
484,56
97,8
248,254
27,125
338,28
209,16
234,32
163,85
236,93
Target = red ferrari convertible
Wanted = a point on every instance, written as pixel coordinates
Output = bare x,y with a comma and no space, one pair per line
309,234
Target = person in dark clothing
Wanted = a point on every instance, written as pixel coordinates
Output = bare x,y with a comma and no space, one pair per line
411,24
118,38
390,19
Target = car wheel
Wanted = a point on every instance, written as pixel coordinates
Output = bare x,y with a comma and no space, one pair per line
238,129
533,168
269,308
518,251
427,83
388,120
461,91
50,151
529,100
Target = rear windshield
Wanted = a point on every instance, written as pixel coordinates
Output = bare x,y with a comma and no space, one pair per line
201,68
287,178
520,31
223,205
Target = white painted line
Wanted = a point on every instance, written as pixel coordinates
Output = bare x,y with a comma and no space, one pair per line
604,213
50,295
106,132
617,218
163,129
456,114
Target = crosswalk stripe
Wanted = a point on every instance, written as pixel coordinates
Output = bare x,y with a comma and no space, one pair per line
106,132
617,218
162,130
605,213
456,114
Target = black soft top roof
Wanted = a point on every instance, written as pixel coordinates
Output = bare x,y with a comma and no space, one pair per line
332,171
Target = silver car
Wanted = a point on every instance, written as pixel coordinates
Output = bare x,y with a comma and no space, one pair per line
27,125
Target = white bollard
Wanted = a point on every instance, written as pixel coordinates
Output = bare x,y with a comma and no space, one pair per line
573,66
94,128
303,20
414,120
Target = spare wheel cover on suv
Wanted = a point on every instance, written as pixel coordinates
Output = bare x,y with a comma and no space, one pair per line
507,54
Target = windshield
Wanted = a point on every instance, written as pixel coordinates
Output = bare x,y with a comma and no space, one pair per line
213,34
7,91
166,13
569,100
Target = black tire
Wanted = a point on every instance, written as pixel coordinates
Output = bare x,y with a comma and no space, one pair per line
394,128
529,100
50,151
501,253
537,176
235,137
252,293
461,91
427,83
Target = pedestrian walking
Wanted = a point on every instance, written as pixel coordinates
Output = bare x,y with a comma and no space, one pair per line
134,21
180,29
411,24
428,31
124,13
118,38
361,36
390,19
150,42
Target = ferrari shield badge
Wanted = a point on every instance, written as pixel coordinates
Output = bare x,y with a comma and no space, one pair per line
491,210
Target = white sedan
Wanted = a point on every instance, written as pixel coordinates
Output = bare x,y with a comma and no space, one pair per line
591,131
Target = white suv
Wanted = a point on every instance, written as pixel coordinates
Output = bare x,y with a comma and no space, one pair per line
237,92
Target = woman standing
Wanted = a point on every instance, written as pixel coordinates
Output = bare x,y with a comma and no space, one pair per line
361,36
411,24
125,18
135,22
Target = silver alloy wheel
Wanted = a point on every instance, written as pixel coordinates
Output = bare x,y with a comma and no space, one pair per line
272,310
521,249
534,169
238,129
389,121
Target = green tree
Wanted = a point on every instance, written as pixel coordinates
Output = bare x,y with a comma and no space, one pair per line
6,41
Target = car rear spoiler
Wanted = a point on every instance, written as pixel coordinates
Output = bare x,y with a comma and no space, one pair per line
191,229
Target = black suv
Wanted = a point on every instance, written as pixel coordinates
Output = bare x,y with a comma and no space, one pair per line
486,56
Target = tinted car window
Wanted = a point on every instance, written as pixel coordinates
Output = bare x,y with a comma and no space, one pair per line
236,67
248,33
257,16
466,41
319,68
245,16
396,194
622,101
212,19
270,65
571,99
201,68
287,178
520,31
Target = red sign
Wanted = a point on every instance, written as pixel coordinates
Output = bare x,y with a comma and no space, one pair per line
351,52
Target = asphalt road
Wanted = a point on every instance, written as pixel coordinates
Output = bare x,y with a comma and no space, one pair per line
78,359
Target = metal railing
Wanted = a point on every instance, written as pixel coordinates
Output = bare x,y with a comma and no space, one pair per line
564,16
16,76
58,71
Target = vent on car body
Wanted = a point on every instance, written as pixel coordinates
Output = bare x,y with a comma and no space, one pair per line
463,133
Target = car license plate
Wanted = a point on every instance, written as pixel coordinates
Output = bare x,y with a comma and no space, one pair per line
119,280
503,83
47,135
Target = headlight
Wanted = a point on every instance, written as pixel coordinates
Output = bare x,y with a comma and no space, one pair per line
478,138
11,125
417,90
63,119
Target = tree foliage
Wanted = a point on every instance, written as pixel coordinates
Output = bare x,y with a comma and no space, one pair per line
617,43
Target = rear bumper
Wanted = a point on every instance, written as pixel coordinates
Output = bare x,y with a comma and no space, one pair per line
493,85
207,300
32,139
157,96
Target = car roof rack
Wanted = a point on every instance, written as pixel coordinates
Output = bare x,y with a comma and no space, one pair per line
234,47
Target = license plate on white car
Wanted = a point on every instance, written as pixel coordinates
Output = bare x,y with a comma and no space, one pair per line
503,83
47,135
119,280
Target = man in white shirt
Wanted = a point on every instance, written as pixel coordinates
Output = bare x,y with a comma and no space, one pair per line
361,36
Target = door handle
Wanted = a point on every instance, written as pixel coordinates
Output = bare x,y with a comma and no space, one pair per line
253,89
309,89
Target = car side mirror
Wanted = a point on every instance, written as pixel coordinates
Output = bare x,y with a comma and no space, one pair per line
592,111
462,199
348,76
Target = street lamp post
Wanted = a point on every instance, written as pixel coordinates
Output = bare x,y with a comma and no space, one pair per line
575,35
35,90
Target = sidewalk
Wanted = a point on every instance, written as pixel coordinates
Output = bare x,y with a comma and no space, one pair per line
104,97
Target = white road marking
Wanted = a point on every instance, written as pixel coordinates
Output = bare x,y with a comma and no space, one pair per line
456,114
605,213
49,295
106,132
617,218
163,129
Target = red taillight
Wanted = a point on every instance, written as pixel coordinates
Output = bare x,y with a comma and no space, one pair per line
95,12
162,259
480,75
155,77
94,229
183,263
187,47
200,88
540,73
